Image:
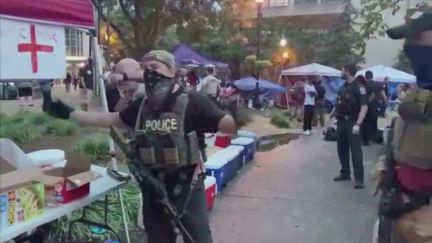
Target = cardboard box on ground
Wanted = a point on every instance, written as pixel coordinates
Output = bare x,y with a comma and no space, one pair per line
24,187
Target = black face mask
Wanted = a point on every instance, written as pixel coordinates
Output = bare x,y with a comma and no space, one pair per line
421,62
158,87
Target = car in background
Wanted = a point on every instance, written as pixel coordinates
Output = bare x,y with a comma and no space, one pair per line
8,91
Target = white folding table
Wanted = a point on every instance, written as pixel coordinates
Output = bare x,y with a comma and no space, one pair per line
99,188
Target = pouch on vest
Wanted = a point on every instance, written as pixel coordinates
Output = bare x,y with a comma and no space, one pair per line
170,151
145,149
411,143
193,148
417,106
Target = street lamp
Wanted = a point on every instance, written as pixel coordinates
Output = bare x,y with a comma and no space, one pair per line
283,42
259,17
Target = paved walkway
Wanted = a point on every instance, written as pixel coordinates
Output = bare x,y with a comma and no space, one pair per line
288,196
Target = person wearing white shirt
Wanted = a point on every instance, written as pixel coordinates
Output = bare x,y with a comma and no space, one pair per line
211,85
309,106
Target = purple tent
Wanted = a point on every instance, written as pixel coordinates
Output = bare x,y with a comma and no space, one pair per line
185,55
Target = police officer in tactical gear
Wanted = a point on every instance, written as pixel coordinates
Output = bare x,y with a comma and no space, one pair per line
165,122
350,111
376,99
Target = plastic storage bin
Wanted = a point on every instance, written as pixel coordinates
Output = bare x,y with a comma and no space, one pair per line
248,144
210,191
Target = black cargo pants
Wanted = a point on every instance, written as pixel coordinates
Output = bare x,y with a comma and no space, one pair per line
158,224
348,142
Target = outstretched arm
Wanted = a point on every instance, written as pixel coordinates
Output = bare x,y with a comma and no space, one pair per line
98,119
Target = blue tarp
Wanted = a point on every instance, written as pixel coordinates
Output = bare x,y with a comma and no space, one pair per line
266,88
332,86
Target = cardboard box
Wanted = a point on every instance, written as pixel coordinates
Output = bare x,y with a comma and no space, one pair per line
72,181
22,192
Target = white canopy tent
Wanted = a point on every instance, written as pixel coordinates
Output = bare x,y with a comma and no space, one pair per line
314,69
380,72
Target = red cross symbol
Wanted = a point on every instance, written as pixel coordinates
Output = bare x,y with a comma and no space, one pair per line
34,48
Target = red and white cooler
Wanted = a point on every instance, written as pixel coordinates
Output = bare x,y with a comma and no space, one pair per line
210,191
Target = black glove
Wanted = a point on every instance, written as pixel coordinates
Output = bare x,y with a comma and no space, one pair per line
58,109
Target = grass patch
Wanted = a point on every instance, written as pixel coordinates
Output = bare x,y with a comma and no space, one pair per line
95,146
279,121
20,132
24,126
61,128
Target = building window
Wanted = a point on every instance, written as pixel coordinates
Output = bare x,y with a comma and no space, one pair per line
74,42
278,3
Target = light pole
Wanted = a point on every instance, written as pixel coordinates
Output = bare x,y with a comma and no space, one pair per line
283,42
257,74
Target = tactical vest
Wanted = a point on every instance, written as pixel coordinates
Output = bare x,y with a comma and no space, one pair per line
346,102
160,141
412,140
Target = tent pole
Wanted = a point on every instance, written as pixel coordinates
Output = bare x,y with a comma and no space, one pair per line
110,141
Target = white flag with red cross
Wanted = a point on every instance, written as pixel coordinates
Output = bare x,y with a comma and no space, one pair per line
31,51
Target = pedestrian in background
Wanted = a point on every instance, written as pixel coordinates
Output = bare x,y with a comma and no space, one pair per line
211,85
350,111
25,92
45,86
86,84
319,104
309,106
67,81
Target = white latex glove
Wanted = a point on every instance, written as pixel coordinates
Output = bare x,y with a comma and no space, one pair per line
356,129
329,123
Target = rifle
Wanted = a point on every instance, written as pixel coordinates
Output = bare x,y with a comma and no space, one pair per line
145,179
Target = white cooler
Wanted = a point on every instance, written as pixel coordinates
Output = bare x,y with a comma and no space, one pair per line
248,144
47,157
217,166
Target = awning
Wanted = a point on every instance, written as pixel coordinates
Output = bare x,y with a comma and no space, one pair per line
380,72
313,69
72,13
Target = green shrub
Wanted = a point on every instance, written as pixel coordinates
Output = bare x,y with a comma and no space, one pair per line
279,121
22,116
60,127
95,146
20,132
39,118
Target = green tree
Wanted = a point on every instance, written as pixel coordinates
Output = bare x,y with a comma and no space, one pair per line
372,22
141,24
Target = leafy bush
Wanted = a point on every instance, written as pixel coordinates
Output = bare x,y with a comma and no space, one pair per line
60,127
18,128
279,121
95,146
95,212
39,118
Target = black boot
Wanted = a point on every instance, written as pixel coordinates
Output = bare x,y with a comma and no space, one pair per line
359,185
342,177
